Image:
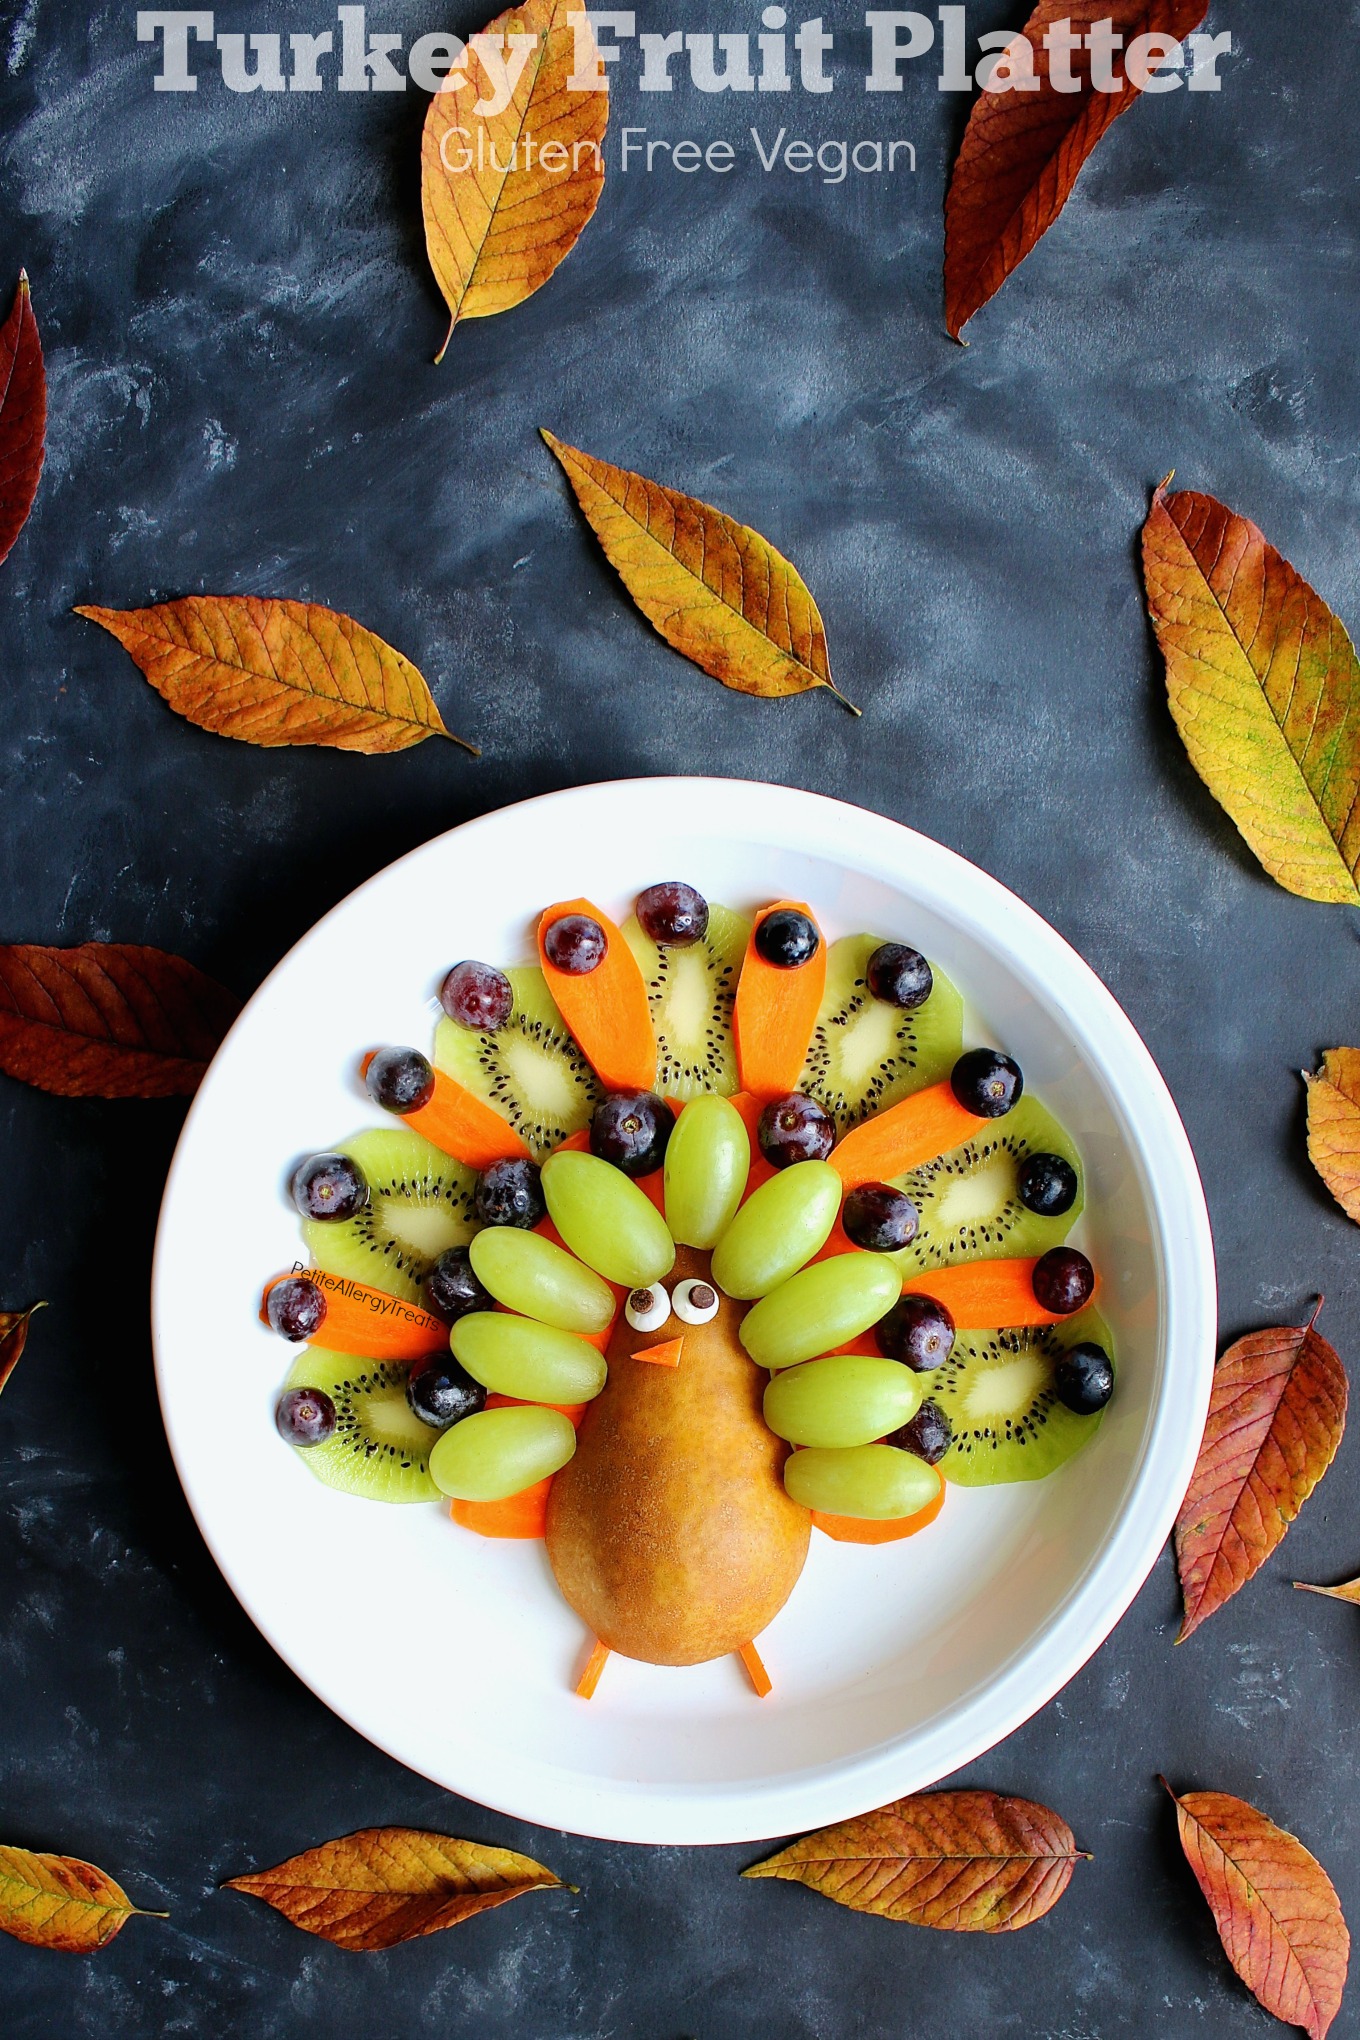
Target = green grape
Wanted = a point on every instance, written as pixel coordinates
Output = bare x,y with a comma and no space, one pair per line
708,1159
820,1308
780,1226
603,1216
850,1399
532,1275
877,1483
499,1453
537,1363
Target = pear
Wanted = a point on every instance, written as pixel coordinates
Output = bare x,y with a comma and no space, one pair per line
669,1532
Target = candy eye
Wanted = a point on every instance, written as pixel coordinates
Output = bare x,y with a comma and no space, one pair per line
647,1309
696,1303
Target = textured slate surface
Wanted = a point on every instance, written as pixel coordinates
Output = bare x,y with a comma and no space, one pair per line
239,328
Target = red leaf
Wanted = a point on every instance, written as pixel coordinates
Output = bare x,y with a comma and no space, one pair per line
1276,1415
108,1020
13,1338
23,416
1022,150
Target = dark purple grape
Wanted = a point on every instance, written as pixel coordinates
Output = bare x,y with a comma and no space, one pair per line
787,938
879,1219
400,1079
928,1435
443,1393
305,1416
1084,1379
509,1193
1063,1280
918,1331
575,944
672,915
795,1129
900,976
987,1082
329,1186
631,1129
295,1307
1047,1185
451,1288
477,995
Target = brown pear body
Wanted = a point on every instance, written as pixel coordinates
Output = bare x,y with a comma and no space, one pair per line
670,1532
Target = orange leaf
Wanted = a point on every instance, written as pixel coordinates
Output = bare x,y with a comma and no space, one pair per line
1022,150
969,1862
1276,1414
1334,1126
1350,1591
498,217
382,1886
274,673
1277,1915
108,1020
60,1902
23,416
13,1338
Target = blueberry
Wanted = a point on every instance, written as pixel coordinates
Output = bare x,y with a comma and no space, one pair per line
917,1331
928,1434
879,1219
400,1079
477,995
795,1129
900,976
329,1186
295,1307
987,1082
787,938
672,915
575,944
509,1193
1084,1379
1047,1185
451,1288
305,1416
631,1130
1063,1280
443,1393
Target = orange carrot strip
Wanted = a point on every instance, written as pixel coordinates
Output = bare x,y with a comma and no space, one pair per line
755,1669
590,1677
521,1515
985,1296
573,1410
606,1009
775,1013
465,1126
665,1354
925,1125
760,1170
369,1321
856,1530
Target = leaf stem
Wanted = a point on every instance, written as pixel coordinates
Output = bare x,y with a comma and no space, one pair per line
841,698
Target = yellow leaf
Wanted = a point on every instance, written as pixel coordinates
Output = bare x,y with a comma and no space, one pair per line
506,195
271,673
60,1902
1264,685
1334,1126
716,590
1348,1591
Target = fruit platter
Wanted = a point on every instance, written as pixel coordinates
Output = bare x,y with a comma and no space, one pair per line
693,1288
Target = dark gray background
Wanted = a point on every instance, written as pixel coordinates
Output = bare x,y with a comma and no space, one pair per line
239,324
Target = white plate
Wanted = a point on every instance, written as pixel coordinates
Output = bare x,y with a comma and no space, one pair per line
892,1666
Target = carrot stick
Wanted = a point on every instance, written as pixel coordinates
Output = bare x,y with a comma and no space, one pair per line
572,1410
927,1124
985,1296
465,1126
856,1530
521,1515
665,1354
775,1013
606,1009
369,1321
760,1171
590,1677
755,1669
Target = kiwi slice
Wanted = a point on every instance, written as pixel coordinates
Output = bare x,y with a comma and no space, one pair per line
866,1055
380,1448
996,1389
530,1069
419,1203
691,992
968,1200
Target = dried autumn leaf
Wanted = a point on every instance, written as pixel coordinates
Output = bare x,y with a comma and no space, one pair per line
1276,1413
60,1902
1022,150
23,416
715,590
1265,689
1334,1126
13,1338
271,673
108,1020
968,1862
1277,1915
1349,1591
495,234
382,1886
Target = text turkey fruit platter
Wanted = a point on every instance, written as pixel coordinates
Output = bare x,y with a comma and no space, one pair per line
692,1238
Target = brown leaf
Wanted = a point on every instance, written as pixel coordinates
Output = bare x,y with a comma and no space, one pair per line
1277,1915
1334,1126
715,590
969,1862
498,223
23,416
60,1902
383,1886
1022,151
13,1338
1276,1414
108,1020
1350,1591
273,673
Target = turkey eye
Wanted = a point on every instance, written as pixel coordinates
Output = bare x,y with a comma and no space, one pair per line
696,1303
647,1309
